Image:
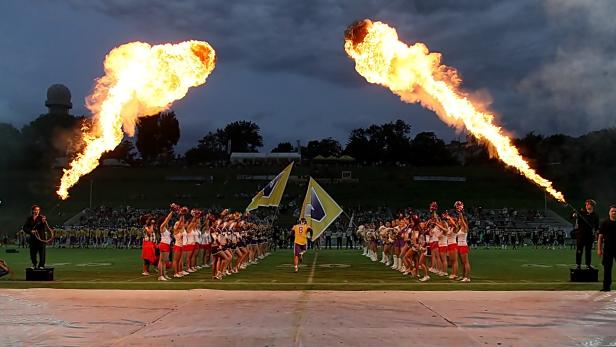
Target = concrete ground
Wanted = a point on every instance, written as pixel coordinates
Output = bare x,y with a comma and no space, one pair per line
52,317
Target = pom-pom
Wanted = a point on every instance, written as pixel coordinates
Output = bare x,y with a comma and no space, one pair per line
433,206
459,206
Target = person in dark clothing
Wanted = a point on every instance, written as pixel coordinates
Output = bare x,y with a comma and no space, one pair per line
587,222
606,247
36,226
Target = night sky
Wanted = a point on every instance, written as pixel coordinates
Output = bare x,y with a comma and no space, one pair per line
548,66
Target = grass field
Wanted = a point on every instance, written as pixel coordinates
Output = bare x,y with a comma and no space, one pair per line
493,269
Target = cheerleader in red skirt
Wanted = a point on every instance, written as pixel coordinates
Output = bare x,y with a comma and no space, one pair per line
178,227
164,248
148,249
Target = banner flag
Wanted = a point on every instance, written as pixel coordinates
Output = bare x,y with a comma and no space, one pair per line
271,194
319,209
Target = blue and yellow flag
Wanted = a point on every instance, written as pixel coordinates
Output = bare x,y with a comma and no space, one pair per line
271,194
319,209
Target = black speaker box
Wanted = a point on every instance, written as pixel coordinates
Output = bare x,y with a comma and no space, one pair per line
584,275
45,274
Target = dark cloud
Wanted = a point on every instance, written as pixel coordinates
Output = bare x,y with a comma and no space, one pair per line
574,90
547,65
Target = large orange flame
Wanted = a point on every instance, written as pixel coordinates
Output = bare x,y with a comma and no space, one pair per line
417,75
140,80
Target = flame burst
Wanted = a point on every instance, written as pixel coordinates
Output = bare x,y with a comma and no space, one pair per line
140,80
417,75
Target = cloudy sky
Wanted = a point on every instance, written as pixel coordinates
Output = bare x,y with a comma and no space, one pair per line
547,66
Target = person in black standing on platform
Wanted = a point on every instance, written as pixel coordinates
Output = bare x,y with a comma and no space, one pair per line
606,247
35,227
587,222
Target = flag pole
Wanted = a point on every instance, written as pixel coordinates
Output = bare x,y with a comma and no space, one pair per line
350,219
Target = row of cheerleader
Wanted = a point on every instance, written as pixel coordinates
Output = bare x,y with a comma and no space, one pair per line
419,247
186,241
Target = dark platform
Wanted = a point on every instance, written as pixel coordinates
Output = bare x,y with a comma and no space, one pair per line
45,274
584,275
11,250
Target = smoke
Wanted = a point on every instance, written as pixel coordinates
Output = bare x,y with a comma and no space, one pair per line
574,89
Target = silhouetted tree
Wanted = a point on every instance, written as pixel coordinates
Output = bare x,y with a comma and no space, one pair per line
11,145
124,152
245,136
50,136
529,145
428,149
210,148
283,147
389,142
325,147
157,135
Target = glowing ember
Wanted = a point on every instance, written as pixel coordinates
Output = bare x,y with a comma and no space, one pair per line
140,80
416,75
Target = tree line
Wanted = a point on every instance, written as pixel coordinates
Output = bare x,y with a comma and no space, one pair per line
40,142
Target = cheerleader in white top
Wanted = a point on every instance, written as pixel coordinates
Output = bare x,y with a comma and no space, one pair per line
423,243
206,237
452,245
199,250
178,227
432,230
441,233
193,236
188,249
462,237
165,248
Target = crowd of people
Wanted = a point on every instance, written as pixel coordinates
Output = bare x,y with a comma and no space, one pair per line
408,243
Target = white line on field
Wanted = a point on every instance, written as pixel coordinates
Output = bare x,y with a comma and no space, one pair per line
314,263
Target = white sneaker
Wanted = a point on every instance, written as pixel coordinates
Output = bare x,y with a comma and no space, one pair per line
206,266
145,273
191,270
162,278
184,273
452,277
167,277
177,275
465,279
425,278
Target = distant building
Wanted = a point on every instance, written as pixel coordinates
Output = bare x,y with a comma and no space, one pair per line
58,99
260,158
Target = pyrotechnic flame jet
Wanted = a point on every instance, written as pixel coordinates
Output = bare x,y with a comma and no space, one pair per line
417,75
140,80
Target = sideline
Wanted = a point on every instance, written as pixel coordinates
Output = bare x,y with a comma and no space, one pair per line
237,282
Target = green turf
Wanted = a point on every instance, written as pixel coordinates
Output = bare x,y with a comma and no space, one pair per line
522,269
